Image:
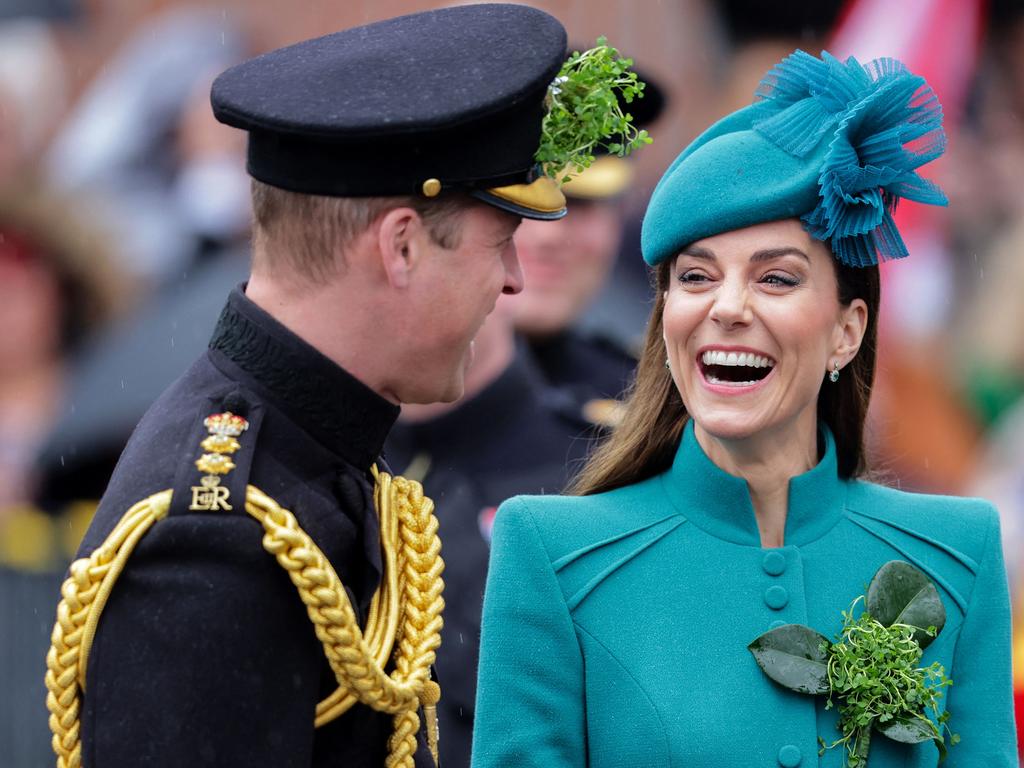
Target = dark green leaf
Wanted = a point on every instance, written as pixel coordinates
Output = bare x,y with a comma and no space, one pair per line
908,731
900,594
941,746
793,656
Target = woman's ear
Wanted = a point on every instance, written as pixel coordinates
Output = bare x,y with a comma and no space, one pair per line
853,323
397,241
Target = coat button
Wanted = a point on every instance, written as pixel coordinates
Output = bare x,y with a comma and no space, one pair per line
777,623
776,597
774,563
789,756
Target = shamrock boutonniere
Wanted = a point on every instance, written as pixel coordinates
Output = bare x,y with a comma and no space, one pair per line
584,112
871,671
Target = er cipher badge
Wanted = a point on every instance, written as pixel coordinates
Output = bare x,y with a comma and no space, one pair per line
219,445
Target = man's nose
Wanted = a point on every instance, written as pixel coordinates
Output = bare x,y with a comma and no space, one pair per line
513,271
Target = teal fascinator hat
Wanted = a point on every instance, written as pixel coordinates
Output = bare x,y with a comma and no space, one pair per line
834,143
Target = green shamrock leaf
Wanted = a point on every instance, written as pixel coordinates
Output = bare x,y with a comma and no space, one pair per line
794,656
900,594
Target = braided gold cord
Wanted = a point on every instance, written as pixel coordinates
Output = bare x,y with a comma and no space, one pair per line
83,595
405,615
419,635
385,609
421,626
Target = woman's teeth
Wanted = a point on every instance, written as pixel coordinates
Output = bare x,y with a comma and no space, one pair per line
746,359
723,368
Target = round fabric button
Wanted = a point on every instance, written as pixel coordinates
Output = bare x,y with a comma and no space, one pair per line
774,563
776,597
789,756
777,623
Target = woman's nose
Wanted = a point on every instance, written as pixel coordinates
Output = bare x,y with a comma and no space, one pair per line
731,306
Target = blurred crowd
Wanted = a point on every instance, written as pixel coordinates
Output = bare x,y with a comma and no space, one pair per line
124,216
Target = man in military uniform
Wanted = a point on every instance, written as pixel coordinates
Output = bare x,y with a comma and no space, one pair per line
238,599
511,433
566,266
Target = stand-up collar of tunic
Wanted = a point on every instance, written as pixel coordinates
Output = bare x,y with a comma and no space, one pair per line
719,503
333,406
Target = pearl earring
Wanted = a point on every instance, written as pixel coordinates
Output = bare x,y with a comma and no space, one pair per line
834,375
668,366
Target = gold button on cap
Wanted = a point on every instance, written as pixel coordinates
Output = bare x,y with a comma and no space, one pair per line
432,187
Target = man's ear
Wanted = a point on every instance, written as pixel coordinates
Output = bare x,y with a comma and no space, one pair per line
398,237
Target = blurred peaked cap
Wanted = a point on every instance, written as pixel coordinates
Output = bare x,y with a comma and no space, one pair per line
610,175
833,142
445,100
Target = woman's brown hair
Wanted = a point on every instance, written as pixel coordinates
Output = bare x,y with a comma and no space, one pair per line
645,442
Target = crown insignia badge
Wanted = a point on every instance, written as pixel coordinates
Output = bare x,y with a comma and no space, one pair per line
225,424
218,447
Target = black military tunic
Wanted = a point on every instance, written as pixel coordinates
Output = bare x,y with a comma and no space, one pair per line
590,367
516,436
204,653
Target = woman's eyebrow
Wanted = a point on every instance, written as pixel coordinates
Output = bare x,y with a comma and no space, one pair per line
767,254
697,252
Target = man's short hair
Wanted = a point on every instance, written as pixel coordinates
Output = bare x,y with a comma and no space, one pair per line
310,233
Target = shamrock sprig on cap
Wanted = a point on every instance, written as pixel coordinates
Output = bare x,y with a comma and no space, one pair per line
871,671
584,104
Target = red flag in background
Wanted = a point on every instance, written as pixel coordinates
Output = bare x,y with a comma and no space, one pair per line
939,40
919,428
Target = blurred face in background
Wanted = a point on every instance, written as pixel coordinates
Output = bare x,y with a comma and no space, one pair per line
30,307
565,265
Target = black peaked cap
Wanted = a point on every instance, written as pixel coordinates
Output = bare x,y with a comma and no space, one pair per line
455,94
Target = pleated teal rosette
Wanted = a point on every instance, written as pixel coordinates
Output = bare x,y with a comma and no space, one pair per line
835,143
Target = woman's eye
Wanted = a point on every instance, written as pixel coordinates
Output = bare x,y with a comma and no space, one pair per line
692,276
776,279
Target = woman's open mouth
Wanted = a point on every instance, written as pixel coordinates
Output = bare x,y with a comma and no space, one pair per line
734,369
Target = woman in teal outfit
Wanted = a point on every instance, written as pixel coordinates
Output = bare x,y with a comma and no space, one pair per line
733,498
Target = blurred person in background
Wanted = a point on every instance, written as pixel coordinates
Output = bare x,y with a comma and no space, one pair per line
989,170
142,146
990,341
58,287
33,91
566,265
510,433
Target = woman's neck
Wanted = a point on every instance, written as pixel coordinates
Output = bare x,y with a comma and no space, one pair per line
767,462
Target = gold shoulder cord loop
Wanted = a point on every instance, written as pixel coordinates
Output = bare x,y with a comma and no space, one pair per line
405,614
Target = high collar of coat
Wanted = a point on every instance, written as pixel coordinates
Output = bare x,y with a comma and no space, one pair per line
719,503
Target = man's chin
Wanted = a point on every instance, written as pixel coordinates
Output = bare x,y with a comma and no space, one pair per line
448,393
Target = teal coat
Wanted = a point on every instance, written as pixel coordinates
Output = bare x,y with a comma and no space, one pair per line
615,626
